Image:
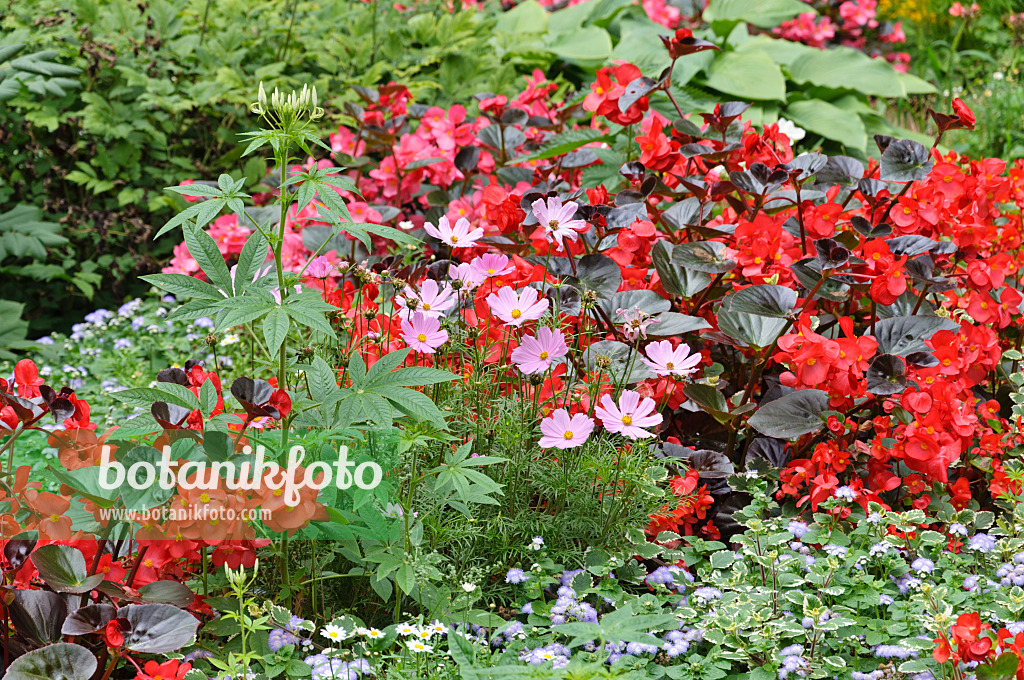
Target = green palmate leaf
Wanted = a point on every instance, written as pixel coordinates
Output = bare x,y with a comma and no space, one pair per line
204,250
253,305
182,285
562,144
416,405
275,329
309,308
791,415
251,261
143,397
384,366
228,193
321,379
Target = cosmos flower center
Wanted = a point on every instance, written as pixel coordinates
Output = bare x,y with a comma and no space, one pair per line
568,435
490,271
553,224
670,365
455,239
516,313
543,355
421,337
627,420
426,306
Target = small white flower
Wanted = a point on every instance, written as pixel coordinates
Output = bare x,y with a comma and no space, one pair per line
998,75
405,224
373,633
789,128
424,633
438,628
418,647
405,629
336,633
468,587
392,510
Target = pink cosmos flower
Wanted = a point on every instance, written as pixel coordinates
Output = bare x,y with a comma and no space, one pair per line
490,265
562,431
319,268
431,300
535,354
423,333
664,360
630,416
459,236
516,309
557,219
635,322
465,273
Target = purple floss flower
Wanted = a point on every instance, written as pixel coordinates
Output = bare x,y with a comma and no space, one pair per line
516,576
639,648
797,528
847,493
873,675
196,655
982,543
792,650
884,599
527,608
122,343
279,639
707,593
45,340
971,584
957,529
894,652
568,576
662,576
835,550
923,565
906,582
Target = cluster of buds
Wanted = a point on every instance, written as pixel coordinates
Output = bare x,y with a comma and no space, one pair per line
286,109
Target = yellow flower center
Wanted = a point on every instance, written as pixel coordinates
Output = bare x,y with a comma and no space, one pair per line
516,314
426,306
455,239
627,420
204,497
543,355
568,435
421,337
553,224
670,365
54,518
491,271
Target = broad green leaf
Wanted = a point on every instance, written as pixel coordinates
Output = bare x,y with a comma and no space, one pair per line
748,75
791,415
848,68
829,121
275,329
182,285
761,13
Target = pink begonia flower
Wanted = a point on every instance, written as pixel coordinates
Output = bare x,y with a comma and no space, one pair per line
557,219
665,360
562,431
630,416
465,273
535,354
423,333
319,268
459,236
514,309
431,300
490,265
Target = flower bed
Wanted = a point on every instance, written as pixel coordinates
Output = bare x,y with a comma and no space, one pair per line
659,399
